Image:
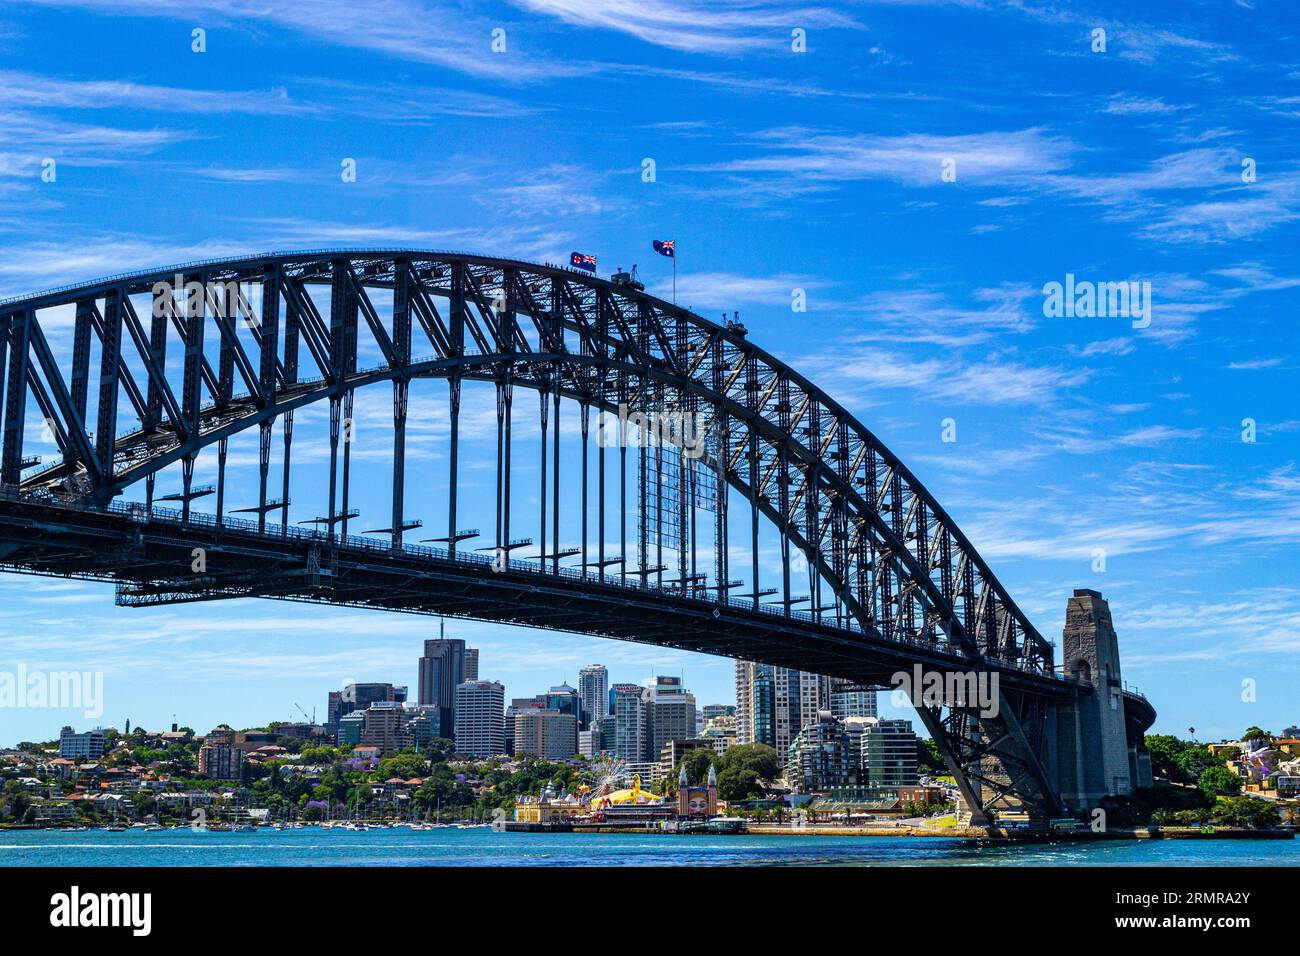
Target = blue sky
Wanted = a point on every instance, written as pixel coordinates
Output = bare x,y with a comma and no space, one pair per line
775,170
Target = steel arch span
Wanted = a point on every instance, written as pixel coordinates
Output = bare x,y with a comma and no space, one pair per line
192,356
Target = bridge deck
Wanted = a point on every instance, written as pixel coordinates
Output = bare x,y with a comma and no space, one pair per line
150,556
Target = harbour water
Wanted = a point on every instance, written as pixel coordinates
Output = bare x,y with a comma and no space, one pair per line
314,846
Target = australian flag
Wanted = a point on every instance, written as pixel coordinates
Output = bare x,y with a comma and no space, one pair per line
580,261
665,247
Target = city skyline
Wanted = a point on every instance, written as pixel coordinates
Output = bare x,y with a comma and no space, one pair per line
323,713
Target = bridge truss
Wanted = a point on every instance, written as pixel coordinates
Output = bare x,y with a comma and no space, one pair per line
190,356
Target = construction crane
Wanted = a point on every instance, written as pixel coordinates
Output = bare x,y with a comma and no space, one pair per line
312,718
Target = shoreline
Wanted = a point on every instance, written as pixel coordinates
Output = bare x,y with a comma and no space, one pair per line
1025,836
976,834
987,834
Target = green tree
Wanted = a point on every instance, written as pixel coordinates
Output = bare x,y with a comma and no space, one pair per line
1253,734
440,749
739,783
406,764
1164,749
761,759
928,759
1248,812
1193,761
319,755
1217,781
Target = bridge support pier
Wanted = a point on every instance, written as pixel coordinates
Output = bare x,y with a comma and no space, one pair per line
1093,756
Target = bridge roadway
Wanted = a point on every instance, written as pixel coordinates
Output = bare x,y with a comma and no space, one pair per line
150,556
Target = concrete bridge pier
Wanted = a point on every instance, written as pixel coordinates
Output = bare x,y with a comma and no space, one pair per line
1098,749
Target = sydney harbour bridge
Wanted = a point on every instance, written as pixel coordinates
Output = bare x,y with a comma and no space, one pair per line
132,379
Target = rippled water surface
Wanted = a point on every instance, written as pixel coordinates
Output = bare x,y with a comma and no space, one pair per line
482,847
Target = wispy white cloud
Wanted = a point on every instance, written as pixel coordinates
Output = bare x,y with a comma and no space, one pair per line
914,159
725,290
718,26
420,31
1123,104
861,373
20,90
1252,365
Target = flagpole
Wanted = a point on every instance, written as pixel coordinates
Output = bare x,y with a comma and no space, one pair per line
674,275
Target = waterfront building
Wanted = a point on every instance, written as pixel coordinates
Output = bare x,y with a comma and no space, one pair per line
480,718
546,733
593,689
697,801
629,711
889,752
88,745
863,754
547,806
826,755
442,670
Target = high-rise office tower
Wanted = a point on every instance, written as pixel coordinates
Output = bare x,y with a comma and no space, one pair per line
629,721
480,721
471,663
354,697
670,714
717,710
593,688
851,700
517,705
774,703
384,724
442,670
546,733
565,700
